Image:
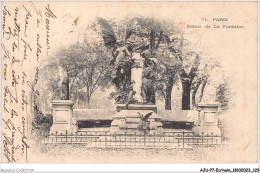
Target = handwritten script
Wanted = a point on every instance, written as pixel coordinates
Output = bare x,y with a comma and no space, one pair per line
26,40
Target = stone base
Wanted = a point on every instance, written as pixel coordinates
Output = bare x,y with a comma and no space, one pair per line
207,130
63,117
133,121
62,128
207,122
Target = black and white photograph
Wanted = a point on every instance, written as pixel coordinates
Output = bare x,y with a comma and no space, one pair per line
129,82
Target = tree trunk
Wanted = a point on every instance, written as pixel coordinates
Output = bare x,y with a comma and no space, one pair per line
193,101
186,85
194,94
88,102
68,88
186,80
202,90
88,97
168,94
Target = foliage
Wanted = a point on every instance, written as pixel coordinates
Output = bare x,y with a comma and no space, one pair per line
88,65
167,77
177,62
223,94
204,73
120,96
41,119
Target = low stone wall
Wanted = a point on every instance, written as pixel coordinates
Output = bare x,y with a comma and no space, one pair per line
93,114
205,118
106,114
179,115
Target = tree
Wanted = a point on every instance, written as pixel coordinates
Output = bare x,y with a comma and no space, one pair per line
168,62
205,70
184,63
51,80
187,73
87,65
193,68
223,95
87,69
167,77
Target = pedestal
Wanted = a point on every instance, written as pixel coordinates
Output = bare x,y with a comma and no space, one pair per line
207,122
133,121
136,76
63,117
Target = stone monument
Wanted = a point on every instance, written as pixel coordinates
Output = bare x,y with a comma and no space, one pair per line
207,122
133,73
136,119
63,109
63,117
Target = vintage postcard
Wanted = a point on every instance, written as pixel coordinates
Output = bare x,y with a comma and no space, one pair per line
129,82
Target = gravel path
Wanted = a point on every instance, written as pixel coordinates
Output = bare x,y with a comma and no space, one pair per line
79,153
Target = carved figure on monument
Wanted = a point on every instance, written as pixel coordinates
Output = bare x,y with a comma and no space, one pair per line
148,91
144,124
132,68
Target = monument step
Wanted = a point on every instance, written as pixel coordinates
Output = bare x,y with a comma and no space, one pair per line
133,122
131,126
137,107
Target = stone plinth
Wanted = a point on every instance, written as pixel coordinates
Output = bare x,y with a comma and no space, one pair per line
132,120
63,117
136,76
207,122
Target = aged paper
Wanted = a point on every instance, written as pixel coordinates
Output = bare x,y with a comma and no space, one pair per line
129,82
